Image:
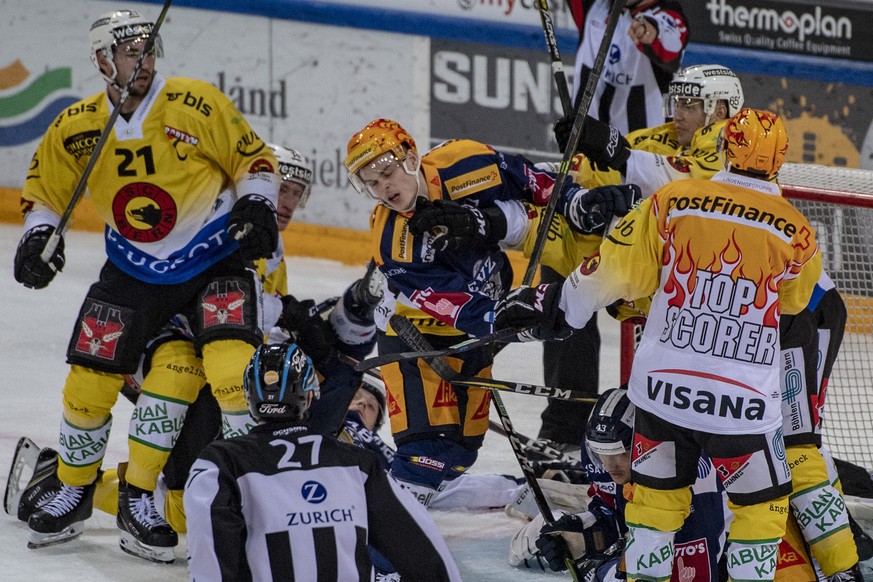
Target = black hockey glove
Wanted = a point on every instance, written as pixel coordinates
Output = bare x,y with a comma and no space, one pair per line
360,302
554,551
533,307
601,143
253,223
590,535
457,225
572,534
29,269
590,211
314,335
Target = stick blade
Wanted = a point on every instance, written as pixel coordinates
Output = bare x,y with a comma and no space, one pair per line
26,455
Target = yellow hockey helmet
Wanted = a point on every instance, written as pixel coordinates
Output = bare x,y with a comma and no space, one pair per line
378,138
755,141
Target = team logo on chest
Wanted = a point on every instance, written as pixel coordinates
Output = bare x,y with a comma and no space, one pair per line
144,212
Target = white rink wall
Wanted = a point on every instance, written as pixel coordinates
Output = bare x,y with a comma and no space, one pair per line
324,82
475,69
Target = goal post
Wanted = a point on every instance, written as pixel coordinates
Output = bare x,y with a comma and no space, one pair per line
838,202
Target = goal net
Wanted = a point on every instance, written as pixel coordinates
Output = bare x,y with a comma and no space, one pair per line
839,204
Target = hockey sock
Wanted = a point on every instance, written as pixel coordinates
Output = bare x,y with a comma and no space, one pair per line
106,492
224,362
154,427
81,451
820,511
649,554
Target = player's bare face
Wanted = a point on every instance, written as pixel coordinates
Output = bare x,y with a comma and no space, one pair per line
289,197
388,180
125,56
688,117
366,406
618,466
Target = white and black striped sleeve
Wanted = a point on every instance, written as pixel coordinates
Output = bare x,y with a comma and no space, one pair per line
402,530
216,526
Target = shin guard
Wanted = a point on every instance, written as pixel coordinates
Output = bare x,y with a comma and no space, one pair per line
225,362
154,427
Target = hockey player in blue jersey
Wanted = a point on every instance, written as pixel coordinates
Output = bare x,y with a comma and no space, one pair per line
590,535
439,232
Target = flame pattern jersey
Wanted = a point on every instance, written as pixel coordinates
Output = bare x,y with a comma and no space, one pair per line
724,258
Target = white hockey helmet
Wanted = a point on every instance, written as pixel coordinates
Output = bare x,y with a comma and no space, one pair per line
710,84
376,387
294,167
119,26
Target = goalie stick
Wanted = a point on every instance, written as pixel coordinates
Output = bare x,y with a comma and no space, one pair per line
415,340
55,238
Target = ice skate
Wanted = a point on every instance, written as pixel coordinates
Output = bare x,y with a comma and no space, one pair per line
853,574
61,519
144,532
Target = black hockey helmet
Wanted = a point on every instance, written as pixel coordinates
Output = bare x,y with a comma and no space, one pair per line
375,387
280,383
610,429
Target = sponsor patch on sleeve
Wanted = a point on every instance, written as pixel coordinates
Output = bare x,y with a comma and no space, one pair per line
473,182
679,164
261,165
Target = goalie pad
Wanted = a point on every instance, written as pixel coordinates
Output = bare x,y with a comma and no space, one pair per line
523,550
560,496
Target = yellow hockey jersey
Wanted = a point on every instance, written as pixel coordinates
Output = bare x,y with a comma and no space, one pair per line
724,258
657,159
164,181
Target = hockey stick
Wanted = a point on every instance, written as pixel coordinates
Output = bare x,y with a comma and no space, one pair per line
52,243
575,135
415,340
550,453
458,348
555,56
524,388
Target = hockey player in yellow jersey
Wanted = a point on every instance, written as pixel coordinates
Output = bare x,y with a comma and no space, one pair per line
700,99
724,258
188,192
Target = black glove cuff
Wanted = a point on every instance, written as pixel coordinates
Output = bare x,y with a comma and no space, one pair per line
497,224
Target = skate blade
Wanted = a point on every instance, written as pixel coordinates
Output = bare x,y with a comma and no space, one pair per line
134,547
42,540
26,455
